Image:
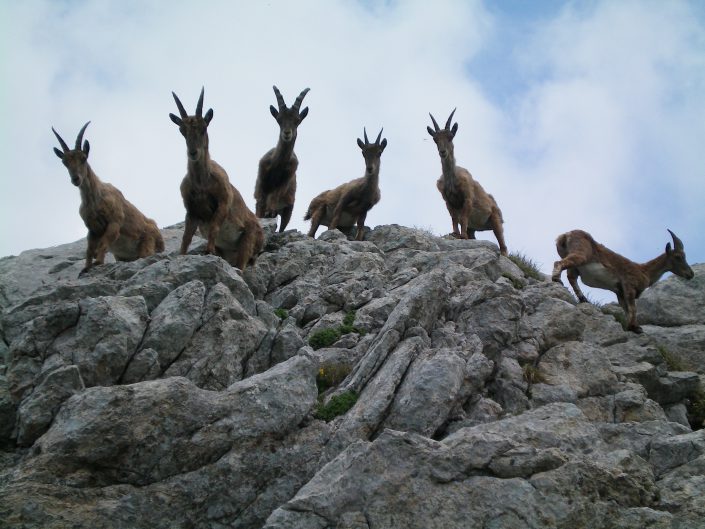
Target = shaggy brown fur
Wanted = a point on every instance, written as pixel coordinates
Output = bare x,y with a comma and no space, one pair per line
350,202
113,222
467,202
275,189
213,205
600,267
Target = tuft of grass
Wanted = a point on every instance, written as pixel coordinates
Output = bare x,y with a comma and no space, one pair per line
330,376
526,265
330,335
338,405
282,314
672,361
515,282
533,375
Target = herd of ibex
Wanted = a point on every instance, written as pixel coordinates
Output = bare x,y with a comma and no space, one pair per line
216,208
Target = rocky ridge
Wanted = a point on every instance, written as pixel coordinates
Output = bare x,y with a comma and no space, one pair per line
177,392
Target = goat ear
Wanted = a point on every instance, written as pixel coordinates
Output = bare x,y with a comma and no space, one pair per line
430,131
274,111
454,129
384,143
359,144
59,153
303,114
86,147
668,248
176,119
208,116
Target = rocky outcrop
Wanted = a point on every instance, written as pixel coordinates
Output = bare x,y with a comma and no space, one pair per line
175,391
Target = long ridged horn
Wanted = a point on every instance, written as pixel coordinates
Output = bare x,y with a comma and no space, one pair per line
364,132
280,99
435,125
297,103
181,108
79,138
677,243
379,136
450,118
199,106
61,141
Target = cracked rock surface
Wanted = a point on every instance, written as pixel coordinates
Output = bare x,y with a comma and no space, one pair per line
177,392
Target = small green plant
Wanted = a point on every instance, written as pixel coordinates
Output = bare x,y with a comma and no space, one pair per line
330,375
324,338
338,405
330,335
526,265
515,282
533,375
672,361
282,314
620,318
696,410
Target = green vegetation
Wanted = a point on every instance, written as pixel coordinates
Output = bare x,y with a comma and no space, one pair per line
526,265
330,375
282,314
515,282
338,405
672,361
330,335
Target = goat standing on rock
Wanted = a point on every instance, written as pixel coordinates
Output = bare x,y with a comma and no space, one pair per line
113,222
600,267
468,204
212,204
275,190
350,202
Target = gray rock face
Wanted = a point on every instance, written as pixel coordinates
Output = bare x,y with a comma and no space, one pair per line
177,392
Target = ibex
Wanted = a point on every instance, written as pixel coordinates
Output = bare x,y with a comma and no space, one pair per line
212,204
350,202
275,189
468,204
600,267
113,222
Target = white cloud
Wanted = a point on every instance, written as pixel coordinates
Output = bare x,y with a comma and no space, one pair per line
603,131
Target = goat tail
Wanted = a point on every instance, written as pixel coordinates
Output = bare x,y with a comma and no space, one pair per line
159,244
308,214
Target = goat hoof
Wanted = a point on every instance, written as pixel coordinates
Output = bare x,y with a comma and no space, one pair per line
83,272
637,329
556,279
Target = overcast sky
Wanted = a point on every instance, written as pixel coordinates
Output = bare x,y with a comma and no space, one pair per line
583,115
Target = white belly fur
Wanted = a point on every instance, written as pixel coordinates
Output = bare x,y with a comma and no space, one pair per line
597,276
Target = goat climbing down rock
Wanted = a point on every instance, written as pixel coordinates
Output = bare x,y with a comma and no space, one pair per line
349,203
213,205
600,267
113,222
275,189
467,202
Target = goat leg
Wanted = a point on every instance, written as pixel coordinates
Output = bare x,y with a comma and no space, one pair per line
92,240
189,230
361,226
573,280
105,241
285,217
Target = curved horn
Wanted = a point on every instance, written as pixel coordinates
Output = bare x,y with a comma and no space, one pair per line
61,141
79,138
181,108
677,243
435,125
450,118
280,99
199,106
299,99
364,131
379,136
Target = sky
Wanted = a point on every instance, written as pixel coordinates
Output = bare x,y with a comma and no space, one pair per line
587,114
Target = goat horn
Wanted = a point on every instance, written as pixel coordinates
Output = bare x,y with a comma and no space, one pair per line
61,141
181,108
199,106
434,122
364,131
379,136
299,99
280,99
450,118
677,243
79,138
